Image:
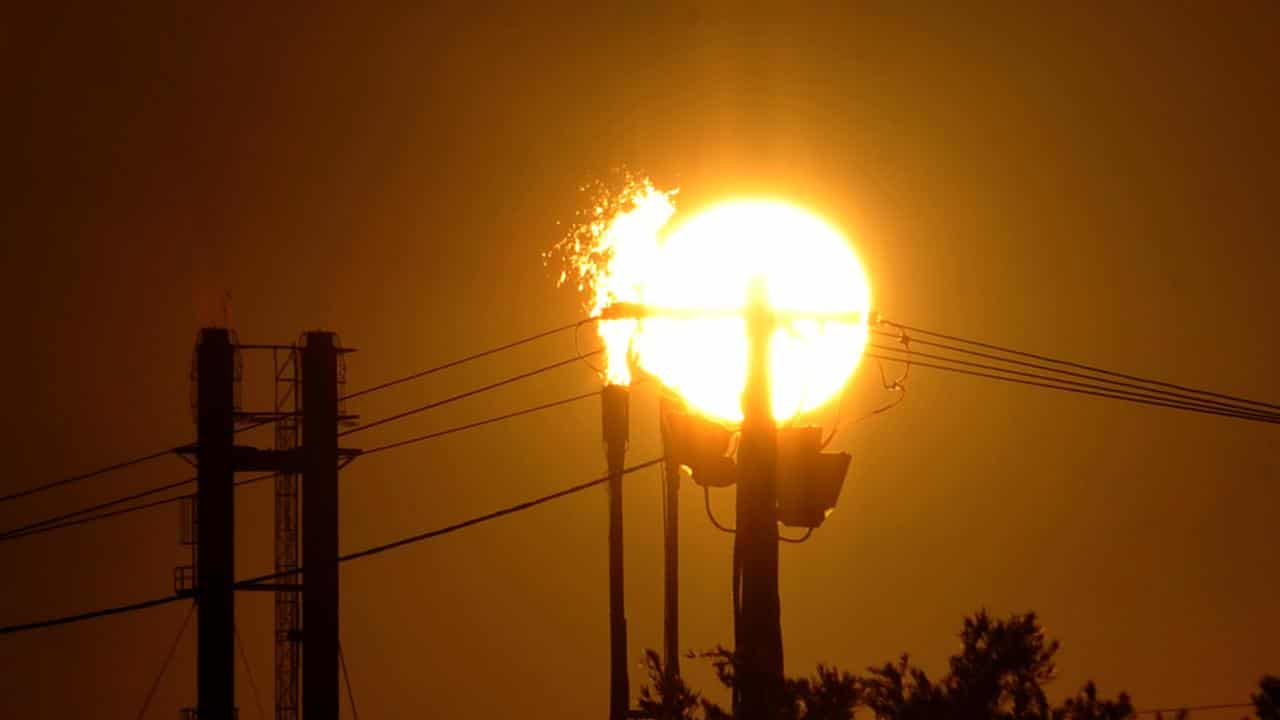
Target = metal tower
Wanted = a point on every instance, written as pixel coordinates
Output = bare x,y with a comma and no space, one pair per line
288,603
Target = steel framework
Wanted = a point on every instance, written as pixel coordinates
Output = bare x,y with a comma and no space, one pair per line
288,603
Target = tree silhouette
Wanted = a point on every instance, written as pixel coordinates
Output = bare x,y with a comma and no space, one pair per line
1086,706
1001,669
668,698
898,691
1266,702
830,694
999,674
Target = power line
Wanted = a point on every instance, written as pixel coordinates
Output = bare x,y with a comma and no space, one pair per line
519,507
346,678
422,373
1201,396
706,497
91,615
479,423
469,358
367,552
1080,366
168,659
94,518
248,671
1194,708
1157,399
21,530
1082,391
85,476
50,524
56,522
1229,411
122,511
410,540
468,393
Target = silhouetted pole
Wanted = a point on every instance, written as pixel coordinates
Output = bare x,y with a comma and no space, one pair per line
614,416
757,619
215,527
320,699
670,551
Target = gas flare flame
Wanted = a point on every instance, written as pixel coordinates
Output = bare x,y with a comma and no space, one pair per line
627,250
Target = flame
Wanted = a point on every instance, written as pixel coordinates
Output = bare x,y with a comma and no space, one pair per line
624,253
612,254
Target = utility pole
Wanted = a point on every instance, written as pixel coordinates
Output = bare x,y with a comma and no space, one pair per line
215,505
320,689
615,421
757,611
670,549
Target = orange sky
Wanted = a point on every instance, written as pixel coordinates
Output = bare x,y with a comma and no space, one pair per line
1092,185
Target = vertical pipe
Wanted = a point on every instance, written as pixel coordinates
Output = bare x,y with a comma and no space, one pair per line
215,529
320,699
758,619
615,402
670,551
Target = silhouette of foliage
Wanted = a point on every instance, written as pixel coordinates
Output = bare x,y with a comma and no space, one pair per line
668,697
1001,669
831,694
898,691
1086,706
999,673
722,661
1266,702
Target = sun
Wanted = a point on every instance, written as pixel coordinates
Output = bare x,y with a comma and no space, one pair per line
708,263
695,274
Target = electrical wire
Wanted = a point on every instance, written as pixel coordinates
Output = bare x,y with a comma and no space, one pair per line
467,394
479,423
900,385
94,518
578,349
91,615
37,528
1236,411
382,386
1194,708
706,498
519,507
808,532
467,359
1082,391
168,659
123,511
85,476
346,678
1158,396
248,671
1081,366
367,552
479,519
92,508
50,524
1201,398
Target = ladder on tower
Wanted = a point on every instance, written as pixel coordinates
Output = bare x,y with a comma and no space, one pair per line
288,603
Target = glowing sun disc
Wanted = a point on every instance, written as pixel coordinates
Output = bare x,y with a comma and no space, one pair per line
708,263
